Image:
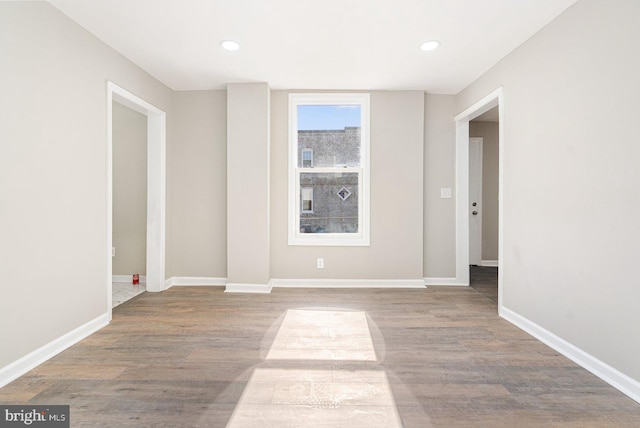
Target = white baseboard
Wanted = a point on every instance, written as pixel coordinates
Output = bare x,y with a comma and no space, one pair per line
199,281
32,360
127,279
443,281
248,288
612,376
293,283
488,263
348,283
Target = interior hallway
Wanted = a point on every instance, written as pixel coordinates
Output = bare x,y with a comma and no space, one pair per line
436,357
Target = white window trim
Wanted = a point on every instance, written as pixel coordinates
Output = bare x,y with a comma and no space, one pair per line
362,238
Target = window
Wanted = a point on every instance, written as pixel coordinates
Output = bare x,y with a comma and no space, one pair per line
307,158
329,169
307,199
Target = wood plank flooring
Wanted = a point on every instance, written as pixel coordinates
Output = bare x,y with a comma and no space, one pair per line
199,357
485,281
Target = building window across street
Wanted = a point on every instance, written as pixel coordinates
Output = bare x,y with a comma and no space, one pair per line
307,199
329,169
307,158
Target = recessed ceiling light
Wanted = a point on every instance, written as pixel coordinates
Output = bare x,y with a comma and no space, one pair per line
230,45
430,45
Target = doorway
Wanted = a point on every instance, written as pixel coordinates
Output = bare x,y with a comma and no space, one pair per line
484,155
464,207
155,199
129,172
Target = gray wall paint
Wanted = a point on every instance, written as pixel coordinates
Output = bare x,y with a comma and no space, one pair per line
129,191
197,164
569,264
396,197
248,141
489,133
53,186
439,171
571,200
194,132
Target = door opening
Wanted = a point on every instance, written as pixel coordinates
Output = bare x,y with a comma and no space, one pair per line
129,177
155,200
464,206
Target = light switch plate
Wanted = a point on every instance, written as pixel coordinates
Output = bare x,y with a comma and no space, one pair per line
445,192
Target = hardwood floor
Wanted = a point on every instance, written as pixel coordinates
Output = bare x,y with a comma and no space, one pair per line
438,357
485,281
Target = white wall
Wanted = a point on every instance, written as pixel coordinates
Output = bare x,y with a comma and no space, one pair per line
571,200
197,185
53,190
396,197
129,191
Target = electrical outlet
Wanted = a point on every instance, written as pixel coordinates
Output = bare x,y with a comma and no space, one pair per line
113,251
320,263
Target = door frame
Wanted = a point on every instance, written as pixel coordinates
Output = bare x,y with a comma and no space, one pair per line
494,99
156,187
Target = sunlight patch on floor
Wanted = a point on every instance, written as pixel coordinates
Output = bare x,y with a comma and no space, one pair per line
315,398
318,396
323,335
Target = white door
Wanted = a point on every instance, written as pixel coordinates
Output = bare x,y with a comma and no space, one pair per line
475,201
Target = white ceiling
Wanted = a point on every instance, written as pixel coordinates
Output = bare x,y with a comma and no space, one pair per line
314,44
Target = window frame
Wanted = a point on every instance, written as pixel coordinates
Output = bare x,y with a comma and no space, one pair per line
362,237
